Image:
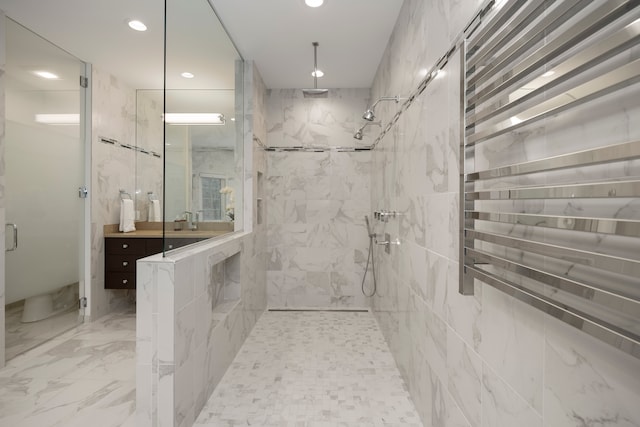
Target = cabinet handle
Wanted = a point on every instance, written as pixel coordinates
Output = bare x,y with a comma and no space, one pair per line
124,281
125,246
125,263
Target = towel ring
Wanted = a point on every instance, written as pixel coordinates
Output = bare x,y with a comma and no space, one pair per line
152,196
124,195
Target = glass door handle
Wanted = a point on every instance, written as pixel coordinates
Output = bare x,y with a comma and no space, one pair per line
13,227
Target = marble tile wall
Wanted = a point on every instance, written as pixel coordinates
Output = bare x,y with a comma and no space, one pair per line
113,168
317,239
487,359
293,120
149,136
2,182
185,341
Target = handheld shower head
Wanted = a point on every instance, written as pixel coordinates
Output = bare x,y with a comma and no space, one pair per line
358,135
366,219
369,115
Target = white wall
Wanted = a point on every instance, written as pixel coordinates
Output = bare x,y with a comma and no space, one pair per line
487,359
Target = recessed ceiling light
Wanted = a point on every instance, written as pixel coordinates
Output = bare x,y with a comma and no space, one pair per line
314,3
317,73
548,74
46,75
187,75
134,24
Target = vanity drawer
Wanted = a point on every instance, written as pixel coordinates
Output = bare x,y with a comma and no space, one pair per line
125,246
118,262
119,280
153,246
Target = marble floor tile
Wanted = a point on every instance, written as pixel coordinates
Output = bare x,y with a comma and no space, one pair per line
86,376
312,369
21,337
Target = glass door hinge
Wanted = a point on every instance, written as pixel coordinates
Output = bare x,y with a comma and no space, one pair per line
84,81
82,302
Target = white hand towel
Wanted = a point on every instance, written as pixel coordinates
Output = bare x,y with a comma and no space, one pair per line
127,216
155,215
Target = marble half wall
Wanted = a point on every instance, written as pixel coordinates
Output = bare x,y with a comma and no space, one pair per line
186,339
486,359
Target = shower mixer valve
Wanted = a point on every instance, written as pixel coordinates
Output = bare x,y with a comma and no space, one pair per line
384,216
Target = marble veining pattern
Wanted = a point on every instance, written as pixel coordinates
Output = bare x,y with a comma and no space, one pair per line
84,377
486,359
309,369
317,239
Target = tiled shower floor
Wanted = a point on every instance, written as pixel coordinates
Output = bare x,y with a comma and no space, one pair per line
308,369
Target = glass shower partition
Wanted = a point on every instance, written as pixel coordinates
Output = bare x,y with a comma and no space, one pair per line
203,126
45,166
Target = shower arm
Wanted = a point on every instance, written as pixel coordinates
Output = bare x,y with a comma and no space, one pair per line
385,98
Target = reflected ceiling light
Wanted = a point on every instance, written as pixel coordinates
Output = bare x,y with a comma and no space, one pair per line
314,3
233,119
58,119
317,73
46,75
515,120
134,24
187,75
548,74
194,119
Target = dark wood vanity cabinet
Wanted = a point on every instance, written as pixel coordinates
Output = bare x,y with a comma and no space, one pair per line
120,256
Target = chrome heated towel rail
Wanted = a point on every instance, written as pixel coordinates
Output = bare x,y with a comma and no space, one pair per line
550,161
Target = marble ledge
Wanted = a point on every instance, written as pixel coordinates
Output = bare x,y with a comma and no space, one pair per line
225,245
154,229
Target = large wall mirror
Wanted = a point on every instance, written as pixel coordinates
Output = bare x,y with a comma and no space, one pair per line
198,118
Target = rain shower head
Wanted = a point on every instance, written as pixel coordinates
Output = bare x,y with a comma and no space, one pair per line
369,115
315,92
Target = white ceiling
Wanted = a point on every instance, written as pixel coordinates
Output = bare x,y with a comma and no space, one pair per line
276,34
